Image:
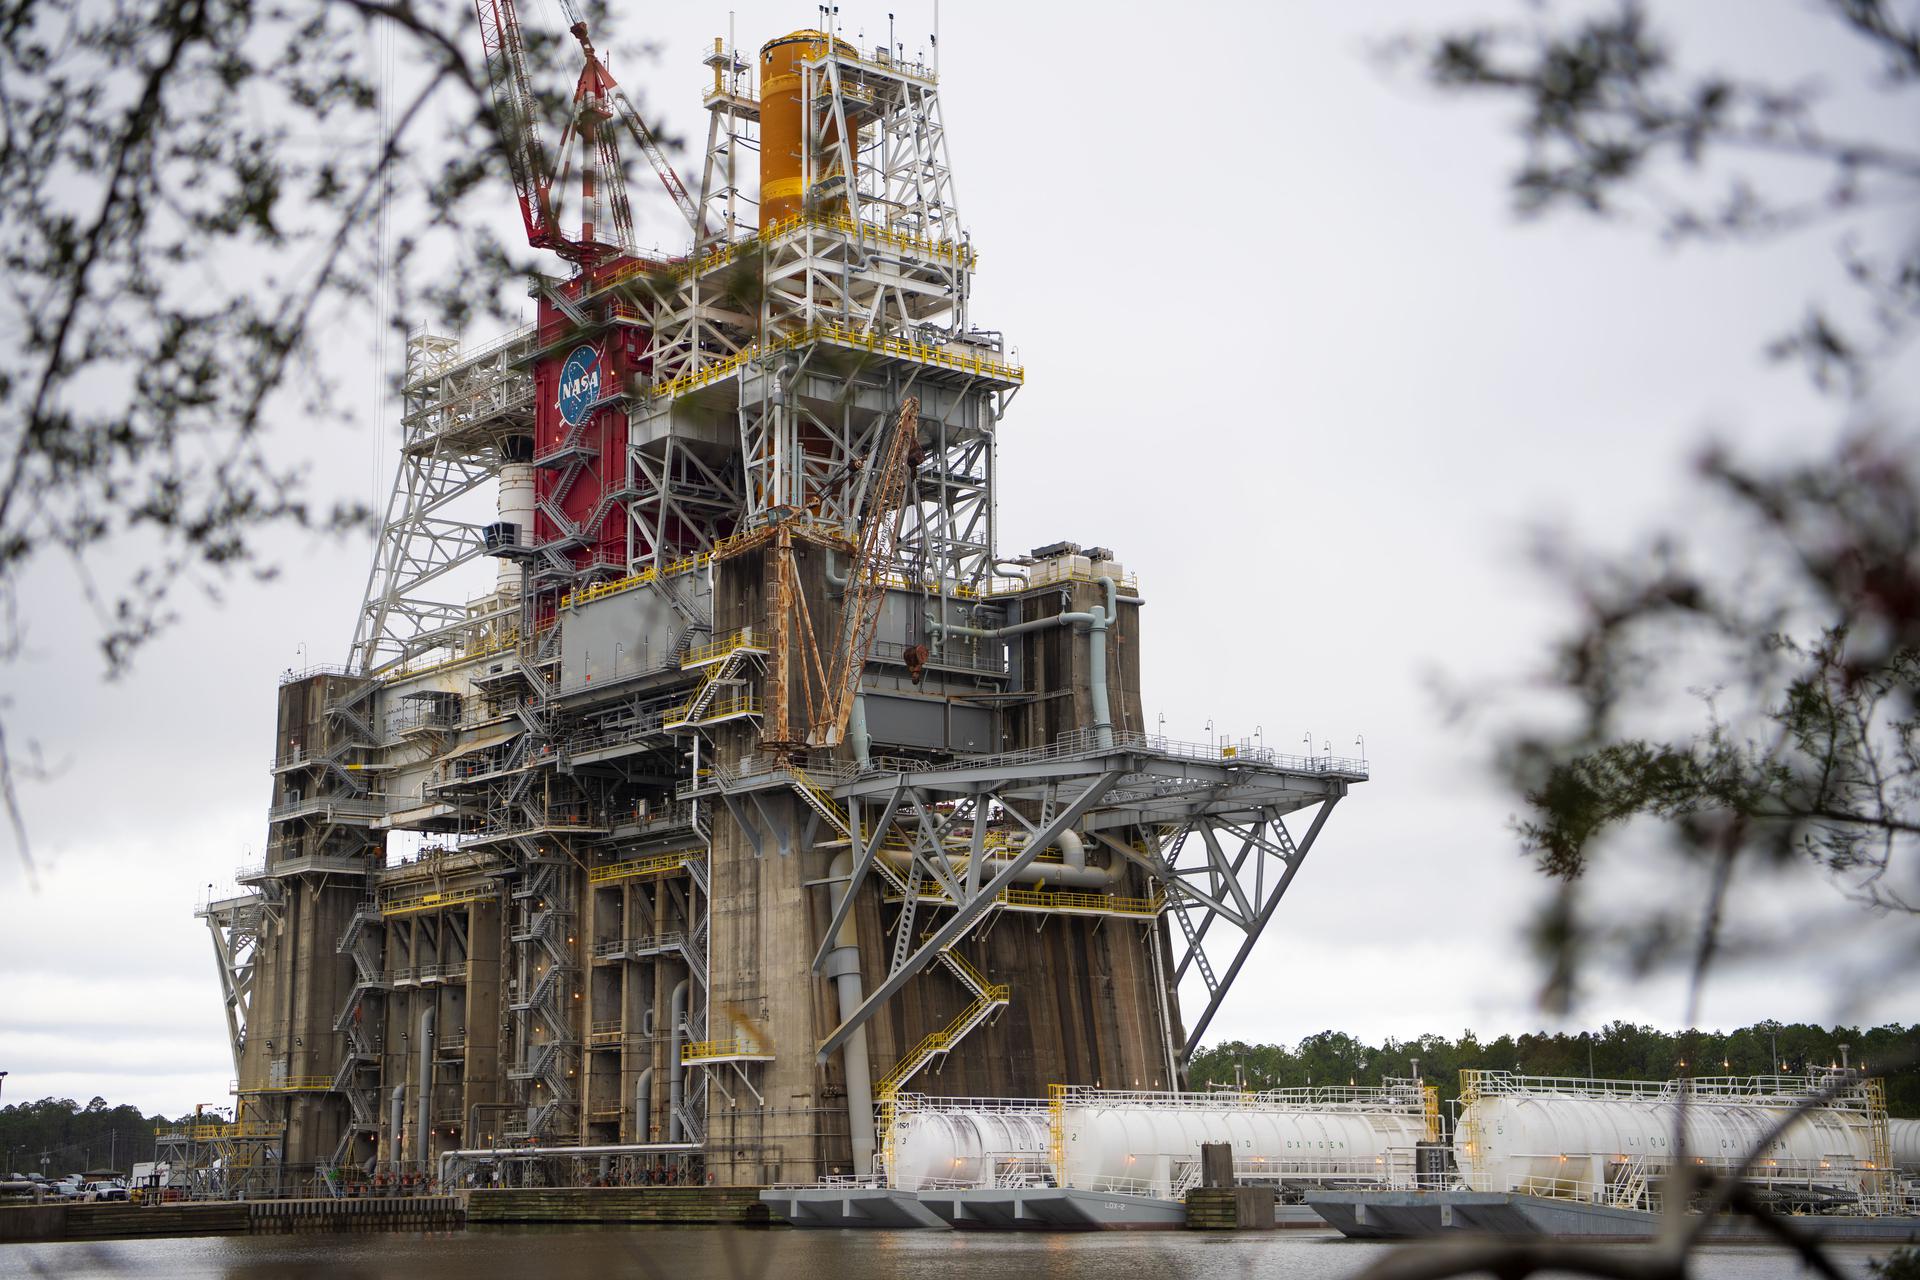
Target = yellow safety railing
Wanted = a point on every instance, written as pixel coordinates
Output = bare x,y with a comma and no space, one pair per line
295,1084
585,595
943,1040
713,1050
1057,1132
437,900
732,642
658,865
845,335
1067,901
500,644
740,704
968,974
605,1032
952,251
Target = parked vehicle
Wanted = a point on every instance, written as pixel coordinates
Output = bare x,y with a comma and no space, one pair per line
105,1189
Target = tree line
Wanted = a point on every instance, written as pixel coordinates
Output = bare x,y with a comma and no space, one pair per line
76,1138
1617,1051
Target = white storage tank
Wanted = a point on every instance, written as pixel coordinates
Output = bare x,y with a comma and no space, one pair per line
1153,1146
1906,1146
1150,1143
967,1146
1578,1137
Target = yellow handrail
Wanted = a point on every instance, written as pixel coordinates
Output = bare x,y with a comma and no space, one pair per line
659,864
435,901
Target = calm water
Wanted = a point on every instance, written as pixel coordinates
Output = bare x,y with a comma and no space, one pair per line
711,1254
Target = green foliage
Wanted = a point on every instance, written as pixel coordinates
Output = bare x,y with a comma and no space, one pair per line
1787,598
1901,1264
75,1137
1617,1051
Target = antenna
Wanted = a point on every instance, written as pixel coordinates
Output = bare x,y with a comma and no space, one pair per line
936,38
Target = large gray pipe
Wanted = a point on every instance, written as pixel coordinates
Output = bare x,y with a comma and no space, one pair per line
1072,872
396,1123
843,967
857,732
1095,620
674,1084
643,1104
423,1119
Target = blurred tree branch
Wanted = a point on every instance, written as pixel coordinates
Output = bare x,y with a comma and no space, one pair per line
191,201
1799,598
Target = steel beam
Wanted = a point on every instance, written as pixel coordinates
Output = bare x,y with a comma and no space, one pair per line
962,919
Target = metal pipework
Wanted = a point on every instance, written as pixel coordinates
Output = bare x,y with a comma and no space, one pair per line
500,1154
396,1122
643,1104
1095,620
843,968
857,736
1072,871
423,1102
678,1016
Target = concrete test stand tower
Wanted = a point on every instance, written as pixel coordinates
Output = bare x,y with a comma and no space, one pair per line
757,786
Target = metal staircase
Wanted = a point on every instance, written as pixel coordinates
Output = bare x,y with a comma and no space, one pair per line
988,998
820,802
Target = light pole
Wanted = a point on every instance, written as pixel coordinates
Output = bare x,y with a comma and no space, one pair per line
1209,735
1307,738
301,649
1360,741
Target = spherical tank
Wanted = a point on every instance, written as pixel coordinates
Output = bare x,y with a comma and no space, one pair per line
937,1147
783,183
1504,1140
1114,1146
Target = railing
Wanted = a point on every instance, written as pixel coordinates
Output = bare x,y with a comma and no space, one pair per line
1032,899
606,1031
745,703
1852,1094
586,595
611,948
658,864
290,676
720,648
848,336
293,1084
1086,741
437,900
1013,584
721,1050
1393,1099
464,355
334,806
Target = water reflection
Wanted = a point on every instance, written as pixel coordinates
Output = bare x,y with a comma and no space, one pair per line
735,1254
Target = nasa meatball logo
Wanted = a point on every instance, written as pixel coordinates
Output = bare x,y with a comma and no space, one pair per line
579,384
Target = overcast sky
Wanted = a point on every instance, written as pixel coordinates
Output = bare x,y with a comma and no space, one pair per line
1288,354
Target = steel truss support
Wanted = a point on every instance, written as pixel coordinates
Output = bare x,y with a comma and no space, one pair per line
459,408
1072,800
1208,833
1243,890
234,925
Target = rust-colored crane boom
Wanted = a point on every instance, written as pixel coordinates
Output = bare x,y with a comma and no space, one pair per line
873,556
